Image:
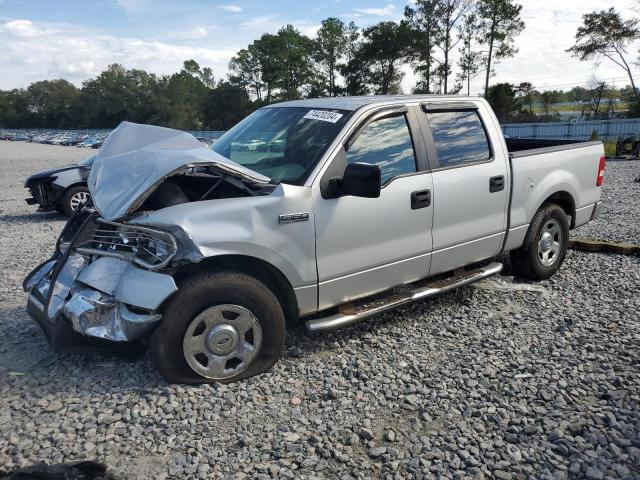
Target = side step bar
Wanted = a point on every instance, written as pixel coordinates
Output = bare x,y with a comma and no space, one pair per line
359,310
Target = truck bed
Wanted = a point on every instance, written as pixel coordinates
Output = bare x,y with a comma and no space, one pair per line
524,146
563,170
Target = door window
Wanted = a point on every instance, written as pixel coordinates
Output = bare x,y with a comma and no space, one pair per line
387,143
460,138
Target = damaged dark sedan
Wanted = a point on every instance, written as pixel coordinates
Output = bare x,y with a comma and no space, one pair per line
61,189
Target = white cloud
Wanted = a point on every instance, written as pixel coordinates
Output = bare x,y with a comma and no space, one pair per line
310,31
37,51
21,28
264,23
231,8
386,11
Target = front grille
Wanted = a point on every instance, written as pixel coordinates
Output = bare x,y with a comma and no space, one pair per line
149,248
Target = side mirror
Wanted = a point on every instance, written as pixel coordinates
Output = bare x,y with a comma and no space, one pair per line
361,180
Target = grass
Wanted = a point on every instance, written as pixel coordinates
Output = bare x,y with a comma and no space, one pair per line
610,149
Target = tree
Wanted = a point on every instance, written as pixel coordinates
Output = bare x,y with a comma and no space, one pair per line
354,66
226,105
470,59
51,102
498,24
591,109
425,33
449,14
186,92
526,91
119,94
604,34
330,46
502,98
246,73
548,100
294,52
386,45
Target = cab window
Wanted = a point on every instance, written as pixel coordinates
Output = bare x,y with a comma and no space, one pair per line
460,138
387,143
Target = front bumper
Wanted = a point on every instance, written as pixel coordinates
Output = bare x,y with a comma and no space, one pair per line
44,193
76,298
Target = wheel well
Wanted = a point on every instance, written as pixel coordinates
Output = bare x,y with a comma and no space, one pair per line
565,201
263,271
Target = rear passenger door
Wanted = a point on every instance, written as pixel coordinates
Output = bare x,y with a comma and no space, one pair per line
470,185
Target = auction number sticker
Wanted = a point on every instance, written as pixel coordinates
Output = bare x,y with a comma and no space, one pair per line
323,115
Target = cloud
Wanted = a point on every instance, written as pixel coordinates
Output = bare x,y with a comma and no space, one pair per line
264,23
21,28
386,11
37,51
231,8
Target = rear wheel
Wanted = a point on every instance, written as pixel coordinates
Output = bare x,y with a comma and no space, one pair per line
545,245
220,327
73,198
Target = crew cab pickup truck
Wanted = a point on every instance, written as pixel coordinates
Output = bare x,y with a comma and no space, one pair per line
323,211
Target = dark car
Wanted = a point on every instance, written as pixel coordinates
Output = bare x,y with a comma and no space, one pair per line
62,189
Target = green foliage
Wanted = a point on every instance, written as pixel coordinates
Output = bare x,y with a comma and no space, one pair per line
499,23
330,46
341,60
610,149
604,34
385,47
425,34
503,100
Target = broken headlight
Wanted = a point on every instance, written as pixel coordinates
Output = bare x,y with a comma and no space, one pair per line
147,247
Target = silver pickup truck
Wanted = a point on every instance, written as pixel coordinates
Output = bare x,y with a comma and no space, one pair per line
324,211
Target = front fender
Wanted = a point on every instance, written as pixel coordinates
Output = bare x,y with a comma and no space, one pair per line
249,226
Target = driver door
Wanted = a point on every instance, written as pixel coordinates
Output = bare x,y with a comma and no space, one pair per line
367,245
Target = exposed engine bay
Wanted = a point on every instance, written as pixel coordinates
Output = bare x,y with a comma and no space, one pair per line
199,184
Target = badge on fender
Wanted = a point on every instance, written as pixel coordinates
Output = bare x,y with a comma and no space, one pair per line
293,217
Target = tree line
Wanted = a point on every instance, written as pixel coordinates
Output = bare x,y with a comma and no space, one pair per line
342,59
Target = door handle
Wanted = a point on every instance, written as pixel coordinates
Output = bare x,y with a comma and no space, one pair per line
420,199
496,184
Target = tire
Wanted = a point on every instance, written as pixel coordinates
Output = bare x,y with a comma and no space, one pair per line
71,196
204,306
532,260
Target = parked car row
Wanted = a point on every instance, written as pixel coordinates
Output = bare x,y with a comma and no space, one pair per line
68,138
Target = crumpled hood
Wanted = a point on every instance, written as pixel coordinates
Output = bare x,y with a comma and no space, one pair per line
137,158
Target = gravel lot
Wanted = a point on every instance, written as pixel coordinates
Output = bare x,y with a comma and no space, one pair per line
474,384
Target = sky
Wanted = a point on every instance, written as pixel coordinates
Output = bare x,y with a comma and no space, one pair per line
77,39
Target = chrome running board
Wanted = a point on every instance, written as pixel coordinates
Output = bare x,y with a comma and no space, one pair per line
364,308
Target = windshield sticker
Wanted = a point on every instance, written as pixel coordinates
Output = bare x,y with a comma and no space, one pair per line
323,115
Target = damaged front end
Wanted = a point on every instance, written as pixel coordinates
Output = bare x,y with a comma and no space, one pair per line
100,282
108,278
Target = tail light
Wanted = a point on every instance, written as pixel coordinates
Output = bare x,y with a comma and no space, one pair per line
600,177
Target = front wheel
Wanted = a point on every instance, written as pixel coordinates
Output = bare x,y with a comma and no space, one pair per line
73,198
220,327
545,245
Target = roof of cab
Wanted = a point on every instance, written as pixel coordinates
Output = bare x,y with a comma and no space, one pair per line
354,103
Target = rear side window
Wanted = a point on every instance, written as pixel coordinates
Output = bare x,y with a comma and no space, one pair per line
460,138
386,143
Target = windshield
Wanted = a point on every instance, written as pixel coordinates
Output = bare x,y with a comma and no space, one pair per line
282,143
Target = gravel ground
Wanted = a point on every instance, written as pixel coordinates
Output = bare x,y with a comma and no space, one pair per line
473,384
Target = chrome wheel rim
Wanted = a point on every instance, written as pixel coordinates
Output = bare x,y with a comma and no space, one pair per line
77,199
222,341
550,243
